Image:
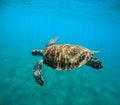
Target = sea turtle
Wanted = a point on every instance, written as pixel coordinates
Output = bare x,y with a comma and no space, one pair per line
63,57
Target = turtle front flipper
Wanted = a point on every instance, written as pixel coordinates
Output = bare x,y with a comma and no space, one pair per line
94,63
37,72
51,41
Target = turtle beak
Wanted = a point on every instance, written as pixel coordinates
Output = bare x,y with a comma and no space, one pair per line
33,52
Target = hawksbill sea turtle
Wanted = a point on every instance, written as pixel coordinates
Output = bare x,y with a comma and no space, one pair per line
63,57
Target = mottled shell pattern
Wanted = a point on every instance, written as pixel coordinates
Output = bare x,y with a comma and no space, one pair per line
66,56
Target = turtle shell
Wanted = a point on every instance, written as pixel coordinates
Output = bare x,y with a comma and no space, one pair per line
66,56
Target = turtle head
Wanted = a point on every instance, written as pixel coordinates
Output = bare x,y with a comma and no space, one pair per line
37,52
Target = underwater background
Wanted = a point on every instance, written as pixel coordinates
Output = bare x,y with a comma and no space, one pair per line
28,24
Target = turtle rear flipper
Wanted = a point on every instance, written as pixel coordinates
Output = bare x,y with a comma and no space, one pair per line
95,63
38,72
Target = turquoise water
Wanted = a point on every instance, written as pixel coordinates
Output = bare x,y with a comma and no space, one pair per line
29,24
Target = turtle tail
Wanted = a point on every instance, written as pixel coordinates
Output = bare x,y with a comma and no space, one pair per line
94,63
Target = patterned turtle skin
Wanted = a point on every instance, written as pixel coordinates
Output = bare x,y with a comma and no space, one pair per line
66,56
63,57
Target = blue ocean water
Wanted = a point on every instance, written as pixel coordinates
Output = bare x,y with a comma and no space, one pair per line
28,24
